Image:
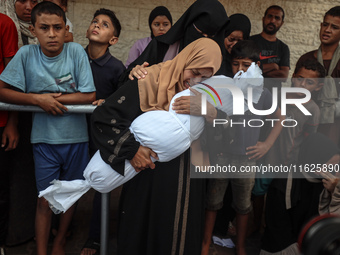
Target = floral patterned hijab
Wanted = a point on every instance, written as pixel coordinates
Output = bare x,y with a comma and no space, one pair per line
8,7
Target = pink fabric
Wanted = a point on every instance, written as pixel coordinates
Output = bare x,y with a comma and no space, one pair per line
137,49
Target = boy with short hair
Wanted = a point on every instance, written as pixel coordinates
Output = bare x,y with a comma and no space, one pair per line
281,232
328,54
243,150
102,33
63,5
50,75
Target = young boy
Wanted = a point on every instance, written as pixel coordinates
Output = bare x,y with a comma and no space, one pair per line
281,231
102,33
244,150
328,55
63,5
50,75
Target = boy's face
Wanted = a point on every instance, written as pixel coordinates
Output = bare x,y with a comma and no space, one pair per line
330,30
307,79
23,9
101,30
238,64
50,30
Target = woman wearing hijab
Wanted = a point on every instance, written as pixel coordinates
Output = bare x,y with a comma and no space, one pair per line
160,21
161,208
238,29
284,225
204,18
20,13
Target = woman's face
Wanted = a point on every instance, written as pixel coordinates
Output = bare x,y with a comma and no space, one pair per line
23,9
196,75
232,39
160,25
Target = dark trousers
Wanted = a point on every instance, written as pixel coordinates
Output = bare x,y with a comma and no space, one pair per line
4,192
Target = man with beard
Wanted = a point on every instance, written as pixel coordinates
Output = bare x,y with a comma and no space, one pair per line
274,55
274,58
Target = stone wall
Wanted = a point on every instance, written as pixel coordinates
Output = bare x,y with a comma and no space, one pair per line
300,30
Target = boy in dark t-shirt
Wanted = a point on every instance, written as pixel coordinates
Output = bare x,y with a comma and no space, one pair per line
102,33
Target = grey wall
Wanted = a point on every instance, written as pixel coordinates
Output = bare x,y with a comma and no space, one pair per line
300,30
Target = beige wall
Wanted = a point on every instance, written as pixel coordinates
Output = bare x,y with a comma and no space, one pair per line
300,30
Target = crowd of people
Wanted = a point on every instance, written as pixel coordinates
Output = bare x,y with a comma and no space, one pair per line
163,210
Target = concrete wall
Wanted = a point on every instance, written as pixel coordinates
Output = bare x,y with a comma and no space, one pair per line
300,30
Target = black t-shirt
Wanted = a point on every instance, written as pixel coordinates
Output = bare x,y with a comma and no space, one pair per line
272,52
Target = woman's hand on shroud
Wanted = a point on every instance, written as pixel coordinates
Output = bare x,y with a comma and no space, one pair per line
142,159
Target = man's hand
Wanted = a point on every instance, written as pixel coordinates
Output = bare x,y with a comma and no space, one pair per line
49,103
142,159
257,151
139,71
329,181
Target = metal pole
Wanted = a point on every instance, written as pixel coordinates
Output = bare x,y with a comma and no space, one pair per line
105,205
104,230
88,108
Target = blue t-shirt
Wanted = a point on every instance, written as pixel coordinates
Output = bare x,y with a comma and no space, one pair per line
33,72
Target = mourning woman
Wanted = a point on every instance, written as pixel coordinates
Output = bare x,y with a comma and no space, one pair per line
161,208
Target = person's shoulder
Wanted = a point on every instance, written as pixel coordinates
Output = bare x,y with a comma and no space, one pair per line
283,44
73,46
4,20
255,37
117,63
309,54
29,49
75,49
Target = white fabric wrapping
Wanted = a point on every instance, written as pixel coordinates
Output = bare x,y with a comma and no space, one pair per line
252,79
167,133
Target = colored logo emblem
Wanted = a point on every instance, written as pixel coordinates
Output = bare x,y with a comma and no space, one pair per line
209,93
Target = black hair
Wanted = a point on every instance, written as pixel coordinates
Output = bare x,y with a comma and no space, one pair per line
276,7
335,12
246,49
113,18
63,3
47,8
311,64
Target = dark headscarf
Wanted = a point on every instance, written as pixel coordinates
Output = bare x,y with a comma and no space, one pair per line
159,11
209,16
184,31
240,22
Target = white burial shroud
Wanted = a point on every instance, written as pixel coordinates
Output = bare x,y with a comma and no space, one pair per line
167,133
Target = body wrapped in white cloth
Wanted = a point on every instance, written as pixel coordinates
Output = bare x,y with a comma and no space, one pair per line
167,133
